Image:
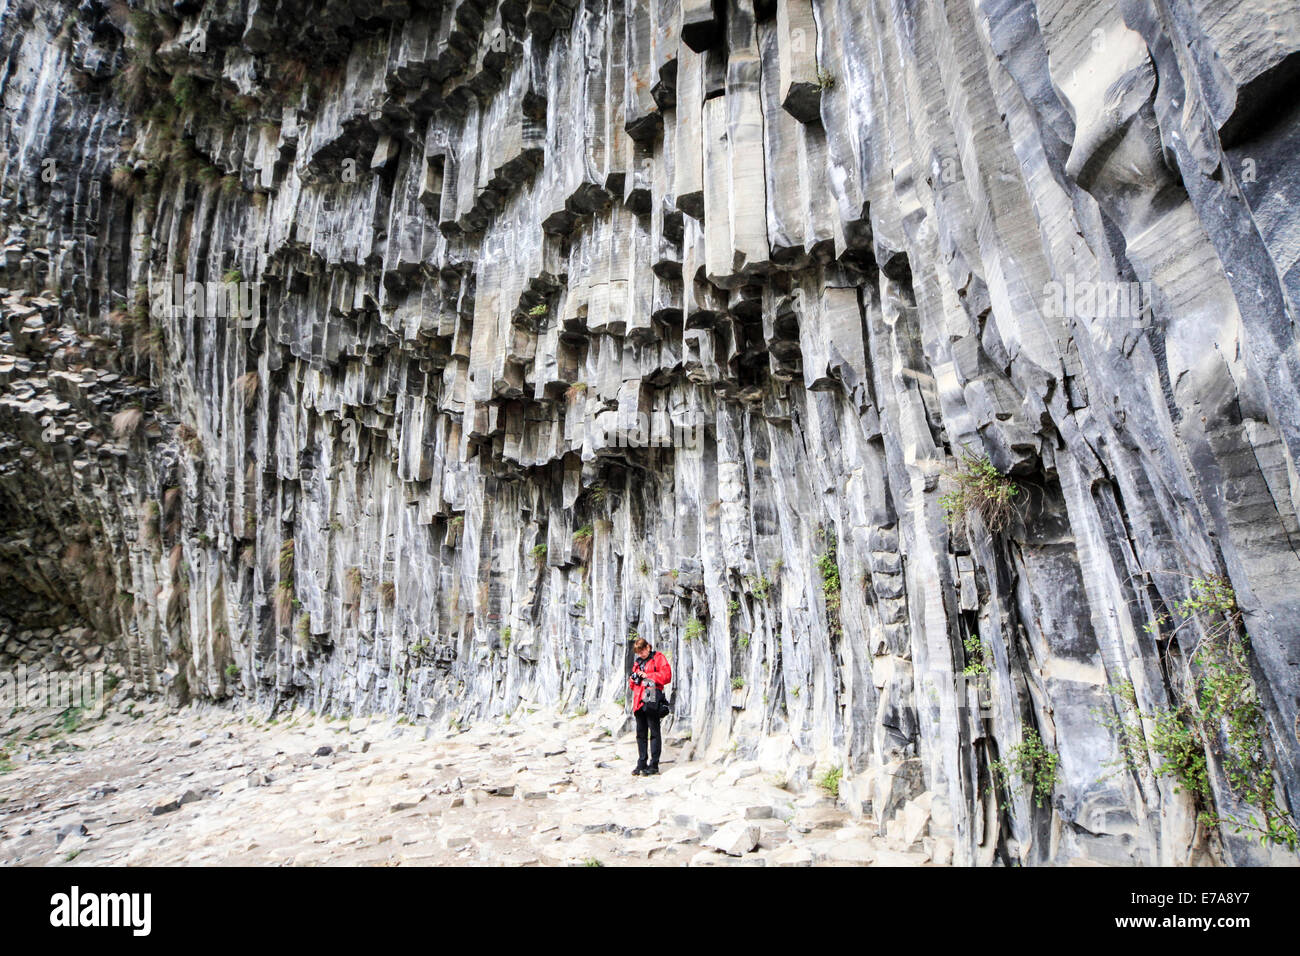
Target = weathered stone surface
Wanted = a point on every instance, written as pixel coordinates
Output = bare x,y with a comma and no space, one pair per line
682,320
734,839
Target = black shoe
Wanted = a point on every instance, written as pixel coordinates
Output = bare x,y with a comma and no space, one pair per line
639,770
651,770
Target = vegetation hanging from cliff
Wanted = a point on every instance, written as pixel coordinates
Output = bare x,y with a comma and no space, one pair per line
1220,715
1029,766
981,490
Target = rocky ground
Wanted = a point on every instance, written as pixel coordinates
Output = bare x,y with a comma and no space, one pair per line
145,785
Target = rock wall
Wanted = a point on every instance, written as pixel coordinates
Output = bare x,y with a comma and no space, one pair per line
725,324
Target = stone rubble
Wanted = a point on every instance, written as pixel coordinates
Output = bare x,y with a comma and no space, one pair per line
136,787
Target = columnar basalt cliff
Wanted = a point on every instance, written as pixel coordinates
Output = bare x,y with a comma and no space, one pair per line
921,376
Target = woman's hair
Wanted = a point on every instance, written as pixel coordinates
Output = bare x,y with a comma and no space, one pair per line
640,644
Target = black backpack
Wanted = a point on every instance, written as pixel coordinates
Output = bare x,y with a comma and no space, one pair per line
655,702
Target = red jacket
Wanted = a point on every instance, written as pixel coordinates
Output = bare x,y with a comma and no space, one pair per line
656,667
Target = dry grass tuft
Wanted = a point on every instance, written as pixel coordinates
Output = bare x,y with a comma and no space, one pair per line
246,389
124,181
127,422
284,602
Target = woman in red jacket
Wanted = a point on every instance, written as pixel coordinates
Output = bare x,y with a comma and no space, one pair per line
648,666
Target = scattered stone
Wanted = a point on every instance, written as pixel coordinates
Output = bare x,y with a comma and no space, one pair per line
453,838
406,802
78,827
734,839
790,856
168,805
916,819
817,818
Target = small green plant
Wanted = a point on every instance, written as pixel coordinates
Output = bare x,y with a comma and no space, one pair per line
209,174
592,861
71,855
1127,733
583,534
1210,595
830,572
286,559
232,672
1175,737
575,391
825,80
597,493
538,310
539,552
70,719
744,642
830,781
759,586
733,606
149,523
981,490
65,36
1029,764
505,637
184,90
975,656
644,567
233,275
303,629
737,683
388,591
694,628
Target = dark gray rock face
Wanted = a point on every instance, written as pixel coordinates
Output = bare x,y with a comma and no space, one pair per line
723,323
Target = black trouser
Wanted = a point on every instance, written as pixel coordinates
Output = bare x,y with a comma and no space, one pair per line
645,723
